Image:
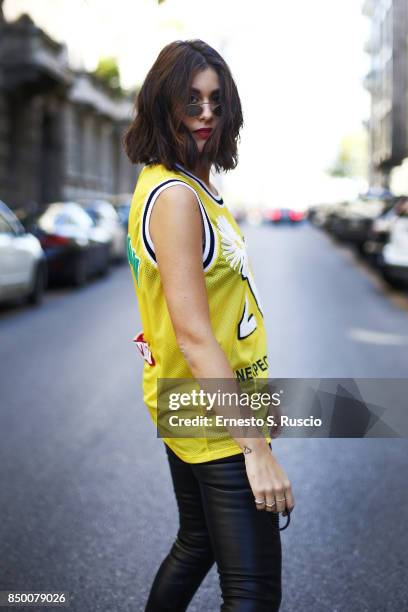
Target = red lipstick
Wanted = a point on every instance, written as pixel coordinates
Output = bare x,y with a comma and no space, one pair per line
203,132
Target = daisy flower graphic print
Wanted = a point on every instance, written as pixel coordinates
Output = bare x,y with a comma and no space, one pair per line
235,253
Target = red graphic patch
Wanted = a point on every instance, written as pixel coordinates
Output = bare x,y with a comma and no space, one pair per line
144,348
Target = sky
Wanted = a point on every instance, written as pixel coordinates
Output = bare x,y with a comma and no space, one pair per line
298,66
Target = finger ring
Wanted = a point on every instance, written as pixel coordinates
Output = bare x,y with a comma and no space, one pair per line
278,500
270,505
259,502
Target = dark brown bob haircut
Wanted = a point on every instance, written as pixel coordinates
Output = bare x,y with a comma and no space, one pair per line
158,134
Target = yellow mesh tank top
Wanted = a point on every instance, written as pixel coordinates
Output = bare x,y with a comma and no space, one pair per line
234,303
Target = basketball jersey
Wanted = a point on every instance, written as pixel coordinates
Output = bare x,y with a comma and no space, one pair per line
234,303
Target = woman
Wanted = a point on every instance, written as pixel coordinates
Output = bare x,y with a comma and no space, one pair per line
202,319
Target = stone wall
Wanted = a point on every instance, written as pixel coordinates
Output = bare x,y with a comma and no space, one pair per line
60,130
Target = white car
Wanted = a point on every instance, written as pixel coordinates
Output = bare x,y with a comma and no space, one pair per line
394,261
104,215
23,267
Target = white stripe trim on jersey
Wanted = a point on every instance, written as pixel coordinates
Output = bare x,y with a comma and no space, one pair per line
210,236
218,199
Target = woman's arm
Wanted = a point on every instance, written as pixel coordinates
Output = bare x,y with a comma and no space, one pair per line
176,230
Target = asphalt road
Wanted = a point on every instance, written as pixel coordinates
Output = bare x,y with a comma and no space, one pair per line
86,505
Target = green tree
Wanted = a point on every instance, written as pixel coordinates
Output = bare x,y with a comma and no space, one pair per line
352,158
108,72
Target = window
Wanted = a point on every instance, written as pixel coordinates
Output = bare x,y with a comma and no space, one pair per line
5,227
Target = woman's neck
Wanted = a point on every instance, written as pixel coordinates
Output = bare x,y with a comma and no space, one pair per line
203,173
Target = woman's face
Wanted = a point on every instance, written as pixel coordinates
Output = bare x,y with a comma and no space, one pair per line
205,88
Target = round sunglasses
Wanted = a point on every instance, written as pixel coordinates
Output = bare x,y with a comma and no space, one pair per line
195,110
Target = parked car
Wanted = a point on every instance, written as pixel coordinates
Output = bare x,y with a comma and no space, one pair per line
377,193
394,257
379,234
282,215
123,211
106,217
329,214
352,222
74,246
319,214
23,266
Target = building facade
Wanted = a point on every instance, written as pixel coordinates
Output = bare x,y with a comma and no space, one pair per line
387,83
60,130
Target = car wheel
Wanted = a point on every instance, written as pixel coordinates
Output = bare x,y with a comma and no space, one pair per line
393,282
359,247
37,292
81,271
106,269
120,259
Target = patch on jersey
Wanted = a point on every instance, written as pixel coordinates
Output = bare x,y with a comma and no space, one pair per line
144,348
133,259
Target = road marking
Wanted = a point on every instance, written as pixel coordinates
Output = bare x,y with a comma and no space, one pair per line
370,336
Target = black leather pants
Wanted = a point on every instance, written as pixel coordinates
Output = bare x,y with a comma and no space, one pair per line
219,522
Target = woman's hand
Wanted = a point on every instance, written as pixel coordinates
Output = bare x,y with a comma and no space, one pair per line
268,480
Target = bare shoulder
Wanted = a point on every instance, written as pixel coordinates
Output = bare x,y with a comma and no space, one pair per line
176,210
176,206
178,195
